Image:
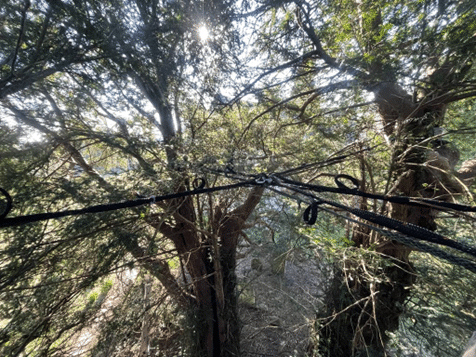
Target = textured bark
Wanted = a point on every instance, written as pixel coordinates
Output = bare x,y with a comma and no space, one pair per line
372,306
467,172
210,261
394,105
213,308
229,231
423,169
144,335
408,123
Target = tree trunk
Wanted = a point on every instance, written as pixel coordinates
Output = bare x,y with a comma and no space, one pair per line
420,169
144,336
210,261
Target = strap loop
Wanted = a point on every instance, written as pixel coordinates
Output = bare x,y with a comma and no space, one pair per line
310,214
341,185
198,183
9,203
264,179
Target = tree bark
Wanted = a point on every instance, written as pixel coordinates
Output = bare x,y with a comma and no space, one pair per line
210,260
408,124
420,169
144,335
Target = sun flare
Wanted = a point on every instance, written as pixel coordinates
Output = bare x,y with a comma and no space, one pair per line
203,33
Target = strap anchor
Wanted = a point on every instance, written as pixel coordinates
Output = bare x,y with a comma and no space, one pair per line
263,179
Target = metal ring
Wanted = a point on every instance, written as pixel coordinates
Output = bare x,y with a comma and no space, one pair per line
263,178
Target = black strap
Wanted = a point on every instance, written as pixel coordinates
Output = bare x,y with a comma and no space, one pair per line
20,220
343,189
407,229
9,203
310,214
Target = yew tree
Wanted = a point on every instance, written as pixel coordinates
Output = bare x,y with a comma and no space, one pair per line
103,102
390,70
122,99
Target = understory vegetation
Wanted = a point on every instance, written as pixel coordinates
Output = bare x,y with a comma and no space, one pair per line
237,178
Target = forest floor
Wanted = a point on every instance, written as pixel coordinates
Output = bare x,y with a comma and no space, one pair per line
280,295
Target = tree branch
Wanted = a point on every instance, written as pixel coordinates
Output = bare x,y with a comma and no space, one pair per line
160,269
311,33
75,153
20,36
266,73
317,91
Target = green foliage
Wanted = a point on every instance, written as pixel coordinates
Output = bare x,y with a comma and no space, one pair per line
439,315
461,127
125,100
174,263
328,233
93,297
106,286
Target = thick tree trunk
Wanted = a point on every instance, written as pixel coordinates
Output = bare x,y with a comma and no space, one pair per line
229,231
408,124
420,169
210,261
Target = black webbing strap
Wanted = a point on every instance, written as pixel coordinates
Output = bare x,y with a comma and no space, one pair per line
344,189
414,243
407,229
20,220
